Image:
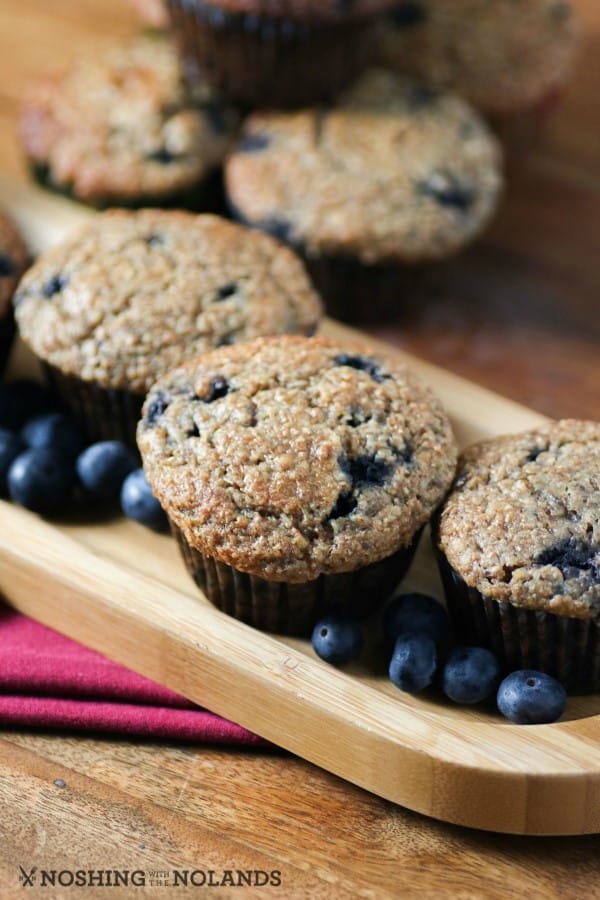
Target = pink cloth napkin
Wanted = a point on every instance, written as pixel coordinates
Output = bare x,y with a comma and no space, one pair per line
50,681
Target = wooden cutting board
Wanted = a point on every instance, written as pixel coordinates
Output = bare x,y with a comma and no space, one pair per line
123,591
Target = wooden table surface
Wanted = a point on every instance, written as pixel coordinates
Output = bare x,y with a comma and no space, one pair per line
519,314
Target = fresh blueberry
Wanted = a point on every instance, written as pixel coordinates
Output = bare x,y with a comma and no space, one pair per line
103,467
363,364
226,291
21,400
344,506
363,472
10,447
531,698
366,470
418,613
572,557
42,479
448,190
337,639
414,662
139,503
54,285
253,143
157,405
470,675
218,388
55,430
161,155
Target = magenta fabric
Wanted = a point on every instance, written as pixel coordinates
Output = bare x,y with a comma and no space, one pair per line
50,681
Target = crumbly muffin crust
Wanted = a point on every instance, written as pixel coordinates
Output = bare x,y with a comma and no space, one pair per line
502,55
130,295
393,173
291,457
123,125
522,523
13,261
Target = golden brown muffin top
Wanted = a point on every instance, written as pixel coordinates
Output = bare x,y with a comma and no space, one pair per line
394,173
292,457
130,295
122,125
522,522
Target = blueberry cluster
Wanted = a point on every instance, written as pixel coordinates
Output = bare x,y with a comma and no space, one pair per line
417,629
47,466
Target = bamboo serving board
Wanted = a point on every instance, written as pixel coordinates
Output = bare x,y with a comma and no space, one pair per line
122,590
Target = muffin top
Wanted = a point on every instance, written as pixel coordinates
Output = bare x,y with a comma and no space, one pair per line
122,125
503,55
13,261
131,294
394,173
296,10
292,457
522,522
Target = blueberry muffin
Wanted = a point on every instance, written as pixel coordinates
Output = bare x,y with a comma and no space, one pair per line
132,294
277,53
123,128
393,177
510,58
297,474
13,261
519,548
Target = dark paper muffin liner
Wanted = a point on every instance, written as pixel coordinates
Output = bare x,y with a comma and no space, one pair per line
293,609
102,413
356,293
263,61
567,648
7,333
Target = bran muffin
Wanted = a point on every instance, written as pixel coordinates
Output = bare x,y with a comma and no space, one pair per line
122,128
297,474
277,53
519,547
394,177
13,262
510,58
132,294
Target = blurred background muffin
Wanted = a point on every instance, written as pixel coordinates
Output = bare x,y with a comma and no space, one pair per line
123,128
510,58
393,178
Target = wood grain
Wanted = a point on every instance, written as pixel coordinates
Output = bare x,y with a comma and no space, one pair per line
467,767
521,317
130,599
